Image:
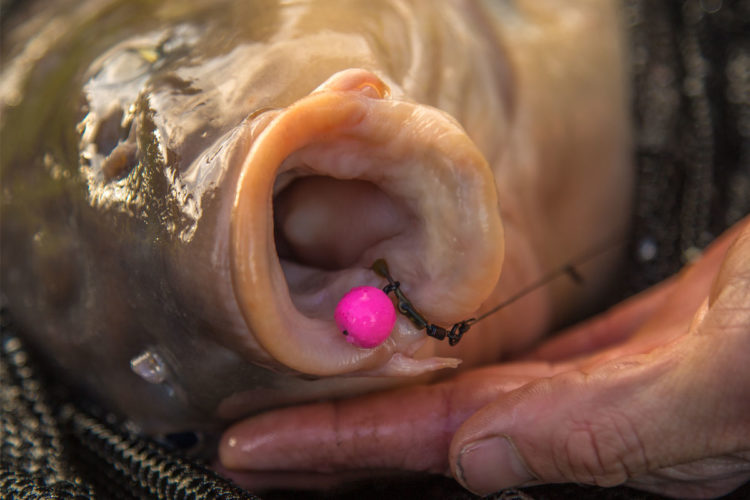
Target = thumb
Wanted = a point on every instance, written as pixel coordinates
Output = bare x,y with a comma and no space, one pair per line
622,419
569,428
621,416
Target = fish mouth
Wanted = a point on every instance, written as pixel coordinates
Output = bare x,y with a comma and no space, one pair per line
343,177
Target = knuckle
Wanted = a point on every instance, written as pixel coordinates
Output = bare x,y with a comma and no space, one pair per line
600,448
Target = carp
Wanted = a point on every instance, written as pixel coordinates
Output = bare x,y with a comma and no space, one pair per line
188,188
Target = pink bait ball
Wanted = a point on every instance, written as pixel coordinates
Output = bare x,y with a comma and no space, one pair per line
366,316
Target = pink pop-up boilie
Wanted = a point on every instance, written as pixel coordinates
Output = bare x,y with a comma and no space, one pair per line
366,316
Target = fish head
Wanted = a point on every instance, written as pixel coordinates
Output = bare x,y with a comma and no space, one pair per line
266,177
238,167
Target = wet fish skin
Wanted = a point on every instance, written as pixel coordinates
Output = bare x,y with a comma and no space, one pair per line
115,229
104,272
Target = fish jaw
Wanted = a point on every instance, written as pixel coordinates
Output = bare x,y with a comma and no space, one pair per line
448,252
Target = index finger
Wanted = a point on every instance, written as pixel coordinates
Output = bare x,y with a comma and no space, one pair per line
407,429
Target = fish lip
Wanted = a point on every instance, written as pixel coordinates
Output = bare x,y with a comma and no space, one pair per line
257,277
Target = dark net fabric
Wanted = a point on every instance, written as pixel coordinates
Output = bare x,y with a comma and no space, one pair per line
32,460
691,93
691,81
51,449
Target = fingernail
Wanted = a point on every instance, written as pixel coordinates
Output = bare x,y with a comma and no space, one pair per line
491,465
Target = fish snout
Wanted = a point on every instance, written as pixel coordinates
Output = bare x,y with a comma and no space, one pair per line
339,179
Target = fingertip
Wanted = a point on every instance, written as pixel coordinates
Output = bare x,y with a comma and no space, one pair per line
239,446
227,452
511,441
491,464
483,455
276,440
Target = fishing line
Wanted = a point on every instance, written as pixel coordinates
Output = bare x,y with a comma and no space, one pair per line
568,269
372,331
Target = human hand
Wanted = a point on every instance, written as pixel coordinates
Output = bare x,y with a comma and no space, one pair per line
654,393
